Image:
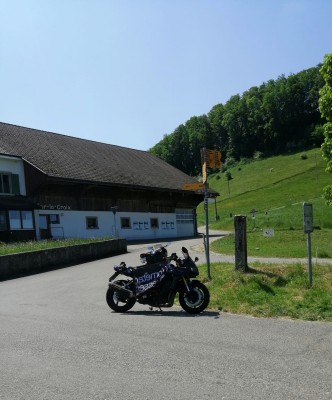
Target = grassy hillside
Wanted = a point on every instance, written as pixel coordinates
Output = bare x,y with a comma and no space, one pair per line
275,188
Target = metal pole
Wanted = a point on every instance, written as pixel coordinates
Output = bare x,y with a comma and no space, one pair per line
215,208
309,259
206,207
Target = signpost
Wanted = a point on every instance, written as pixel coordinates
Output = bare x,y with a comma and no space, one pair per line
206,209
308,227
209,159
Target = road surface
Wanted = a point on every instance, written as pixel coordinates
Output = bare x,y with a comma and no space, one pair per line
60,341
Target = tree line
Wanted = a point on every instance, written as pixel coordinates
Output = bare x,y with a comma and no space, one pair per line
325,107
277,117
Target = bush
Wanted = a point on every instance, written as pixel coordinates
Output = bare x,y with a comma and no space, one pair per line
228,176
258,155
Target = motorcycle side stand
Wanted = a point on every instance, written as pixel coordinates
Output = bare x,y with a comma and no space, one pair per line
151,309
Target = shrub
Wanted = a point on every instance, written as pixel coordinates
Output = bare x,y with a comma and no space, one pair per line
258,155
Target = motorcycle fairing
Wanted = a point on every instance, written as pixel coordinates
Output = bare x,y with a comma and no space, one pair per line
146,276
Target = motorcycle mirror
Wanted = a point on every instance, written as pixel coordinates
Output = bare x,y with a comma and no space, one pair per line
196,259
184,250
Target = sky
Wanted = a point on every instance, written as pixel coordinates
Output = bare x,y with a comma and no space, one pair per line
128,72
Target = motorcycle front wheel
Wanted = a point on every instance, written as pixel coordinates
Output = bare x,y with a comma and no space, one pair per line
196,300
119,301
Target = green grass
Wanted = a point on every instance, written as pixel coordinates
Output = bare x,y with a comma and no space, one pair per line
271,291
23,247
276,188
289,243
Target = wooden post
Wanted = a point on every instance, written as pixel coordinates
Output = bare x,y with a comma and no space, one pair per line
240,226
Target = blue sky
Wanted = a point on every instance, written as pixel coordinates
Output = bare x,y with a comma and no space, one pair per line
127,72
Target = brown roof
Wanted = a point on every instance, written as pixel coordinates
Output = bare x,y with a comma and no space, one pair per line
65,157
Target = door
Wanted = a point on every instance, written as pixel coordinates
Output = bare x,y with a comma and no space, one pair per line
44,226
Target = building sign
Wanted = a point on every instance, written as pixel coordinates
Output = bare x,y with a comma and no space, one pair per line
59,207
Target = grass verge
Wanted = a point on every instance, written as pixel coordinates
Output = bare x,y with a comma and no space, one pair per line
271,291
284,243
23,247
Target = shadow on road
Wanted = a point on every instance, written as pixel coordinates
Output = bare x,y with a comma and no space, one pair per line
156,312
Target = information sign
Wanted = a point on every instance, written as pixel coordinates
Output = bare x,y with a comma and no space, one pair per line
193,186
308,223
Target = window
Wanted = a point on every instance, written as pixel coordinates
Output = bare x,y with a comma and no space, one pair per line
154,223
125,223
3,222
5,183
9,183
15,219
54,219
91,223
184,216
20,219
27,221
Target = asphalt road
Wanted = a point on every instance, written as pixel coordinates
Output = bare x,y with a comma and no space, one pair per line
59,340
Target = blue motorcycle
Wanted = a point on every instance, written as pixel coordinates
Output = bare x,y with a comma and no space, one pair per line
156,283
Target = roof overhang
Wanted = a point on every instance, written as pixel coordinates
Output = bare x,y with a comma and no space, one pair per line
17,203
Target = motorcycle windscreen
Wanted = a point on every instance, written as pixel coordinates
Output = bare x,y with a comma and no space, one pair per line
147,276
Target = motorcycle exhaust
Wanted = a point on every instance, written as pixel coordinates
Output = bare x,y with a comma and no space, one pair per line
121,289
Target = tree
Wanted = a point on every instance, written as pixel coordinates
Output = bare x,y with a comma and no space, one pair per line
228,177
325,107
200,135
279,116
219,133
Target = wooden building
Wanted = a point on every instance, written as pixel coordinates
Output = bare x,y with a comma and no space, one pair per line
56,186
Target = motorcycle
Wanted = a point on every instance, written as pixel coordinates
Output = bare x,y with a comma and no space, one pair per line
157,282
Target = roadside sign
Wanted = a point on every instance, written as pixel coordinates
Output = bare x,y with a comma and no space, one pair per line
308,224
212,158
193,186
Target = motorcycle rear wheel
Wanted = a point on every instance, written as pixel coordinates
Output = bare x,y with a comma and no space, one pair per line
117,301
196,300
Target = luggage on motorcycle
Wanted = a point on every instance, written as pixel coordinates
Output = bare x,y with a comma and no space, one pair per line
152,257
